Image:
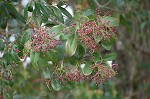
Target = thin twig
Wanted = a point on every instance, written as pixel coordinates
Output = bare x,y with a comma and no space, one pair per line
104,6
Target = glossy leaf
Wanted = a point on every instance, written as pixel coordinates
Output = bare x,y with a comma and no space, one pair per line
64,36
25,37
26,12
7,56
105,63
14,56
57,29
4,15
57,13
34,56
50,24
46,74
6,10
61,3
45,11
3,24
112,21
92,4
26,49
14,13
55,85
51,56
96,57
2,45
120,3
37,8
42,62
98,38
87,70
110,57
71,45
81,51
88,12
31,55
65,12
106,45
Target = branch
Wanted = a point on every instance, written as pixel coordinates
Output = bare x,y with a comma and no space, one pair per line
104,6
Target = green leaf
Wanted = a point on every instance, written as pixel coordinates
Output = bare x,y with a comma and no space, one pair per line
88,12
57,13
61,3
73,60
42,62
25,37
14,0
14,56
14,13
83,19
3,23
120,3
35,61
30,8
96,56
9,82
81,51
55,85
26,49
123,21
34,56
106,45
7,56
2,45
65,12
92,4
49,24
112,21
105,63
97,38
40,17
26,11
112,41
87,70
4,11
34,20
64,36
37,14
37,8
45,11
71,45
46,74
4,15
110,56
51,56
56,29
16,30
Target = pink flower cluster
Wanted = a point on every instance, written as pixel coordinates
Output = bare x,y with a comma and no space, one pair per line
99,75
90,31
7,75
42,41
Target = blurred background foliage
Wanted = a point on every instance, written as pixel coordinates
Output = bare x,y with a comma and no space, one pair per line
132,47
